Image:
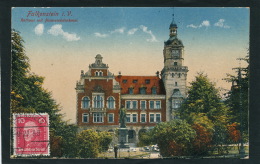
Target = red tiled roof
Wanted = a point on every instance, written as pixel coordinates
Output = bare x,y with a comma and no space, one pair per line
136,82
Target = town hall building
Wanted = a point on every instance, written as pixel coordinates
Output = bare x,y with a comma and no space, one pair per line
148,99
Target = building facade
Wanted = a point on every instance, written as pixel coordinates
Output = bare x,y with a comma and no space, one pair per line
148,99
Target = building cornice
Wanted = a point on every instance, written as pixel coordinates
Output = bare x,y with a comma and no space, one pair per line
135,96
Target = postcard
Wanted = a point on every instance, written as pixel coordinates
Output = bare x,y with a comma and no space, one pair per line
129,83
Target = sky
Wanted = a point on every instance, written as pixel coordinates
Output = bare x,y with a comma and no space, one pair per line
131,40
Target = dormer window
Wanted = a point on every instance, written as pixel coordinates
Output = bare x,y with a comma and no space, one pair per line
98,73
143,90
154,90
131,90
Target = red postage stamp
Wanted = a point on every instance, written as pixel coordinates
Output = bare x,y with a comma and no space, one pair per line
31,134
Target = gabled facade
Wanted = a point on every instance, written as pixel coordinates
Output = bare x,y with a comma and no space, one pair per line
147,99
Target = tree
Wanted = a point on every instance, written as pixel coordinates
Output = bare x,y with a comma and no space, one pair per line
233,96
174,138
88,143
203,97
29,96
105,140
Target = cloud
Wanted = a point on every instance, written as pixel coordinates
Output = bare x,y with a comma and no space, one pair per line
38,30
57,30
119,30
153,38
220,24
204,23
97,34
132,31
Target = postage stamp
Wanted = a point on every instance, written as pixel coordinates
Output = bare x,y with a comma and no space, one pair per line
31,134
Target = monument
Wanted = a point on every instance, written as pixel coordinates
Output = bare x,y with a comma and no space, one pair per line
123,131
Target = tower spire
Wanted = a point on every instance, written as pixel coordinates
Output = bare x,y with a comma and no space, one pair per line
173,15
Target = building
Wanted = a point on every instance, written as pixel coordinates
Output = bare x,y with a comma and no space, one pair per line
148,99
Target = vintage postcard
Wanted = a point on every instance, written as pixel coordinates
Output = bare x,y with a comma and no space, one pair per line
129,83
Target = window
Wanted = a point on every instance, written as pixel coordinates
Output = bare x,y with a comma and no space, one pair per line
154,90
84,117
128,104
128,117
100,73
96,73
110,117
143,104
131,104
176,104
143,90
176,84
151,117
98,101
134,104
131,118
151,104
124,81
131,90
172,74
143,117
158,104
110,103
85,103
97,117
155,104
179,75
134,117
155,117
135,81
158,117
147,81
175,64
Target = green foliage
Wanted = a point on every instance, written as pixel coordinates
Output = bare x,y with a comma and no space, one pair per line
145,138
88,144
174,138
105,140
29,96
203,97
233,96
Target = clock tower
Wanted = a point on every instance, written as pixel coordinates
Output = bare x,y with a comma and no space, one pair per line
174,73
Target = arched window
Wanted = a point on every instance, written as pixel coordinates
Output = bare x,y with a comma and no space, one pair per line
98,102
100,73
96,73
85,103
110,103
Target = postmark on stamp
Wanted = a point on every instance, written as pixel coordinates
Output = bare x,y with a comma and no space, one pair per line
31,134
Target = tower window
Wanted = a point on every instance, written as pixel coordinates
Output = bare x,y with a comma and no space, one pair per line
179,75
175,63
176,84
172,74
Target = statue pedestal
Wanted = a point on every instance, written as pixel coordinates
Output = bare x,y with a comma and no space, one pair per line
123,138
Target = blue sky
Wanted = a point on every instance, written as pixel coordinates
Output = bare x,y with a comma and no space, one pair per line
131,41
